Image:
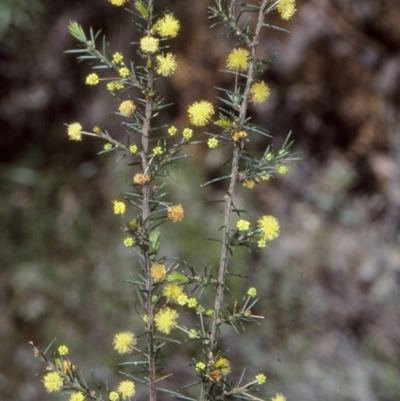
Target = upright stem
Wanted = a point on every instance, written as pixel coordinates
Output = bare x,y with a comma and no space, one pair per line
223,264
146,222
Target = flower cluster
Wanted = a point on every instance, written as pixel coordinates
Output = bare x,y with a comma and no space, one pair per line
175,213
123,342
238,59
269,227
75,132
166,320
286,9
200,113
168,26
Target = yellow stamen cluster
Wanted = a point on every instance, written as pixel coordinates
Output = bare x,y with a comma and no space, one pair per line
200,113
282,169
128,242
158,150
172,130
166,320
75,132
63,350
259,92
252,292
269,227
116,85
168,26
212,143
238,59
279,397
172,292
158,273
187,134
127,107
113,396
127,389
175,213
124,72
149,44
77,396
261,378
118,2
92,79
119,207
166,64
123,342
53,382
243,225
286,8
117,57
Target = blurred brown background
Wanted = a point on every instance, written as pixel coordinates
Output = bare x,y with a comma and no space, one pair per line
329,285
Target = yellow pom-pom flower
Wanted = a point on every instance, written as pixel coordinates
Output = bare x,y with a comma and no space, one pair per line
252,292
107,146
187,134
124,72
128,242
172,292
158,150
123,342
158,273
282,169
133,149
269,226
118,2
182,299
175,213
192,302
92,79
261,378
259,92
200,113
238,59
243,225
117,57
127,107
278,397
168,26
149,44
119,207
63,350
172,130
113,396
77,396
212,143
165,320
127,389
75,132
166,64
286,8
53,382
200,366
